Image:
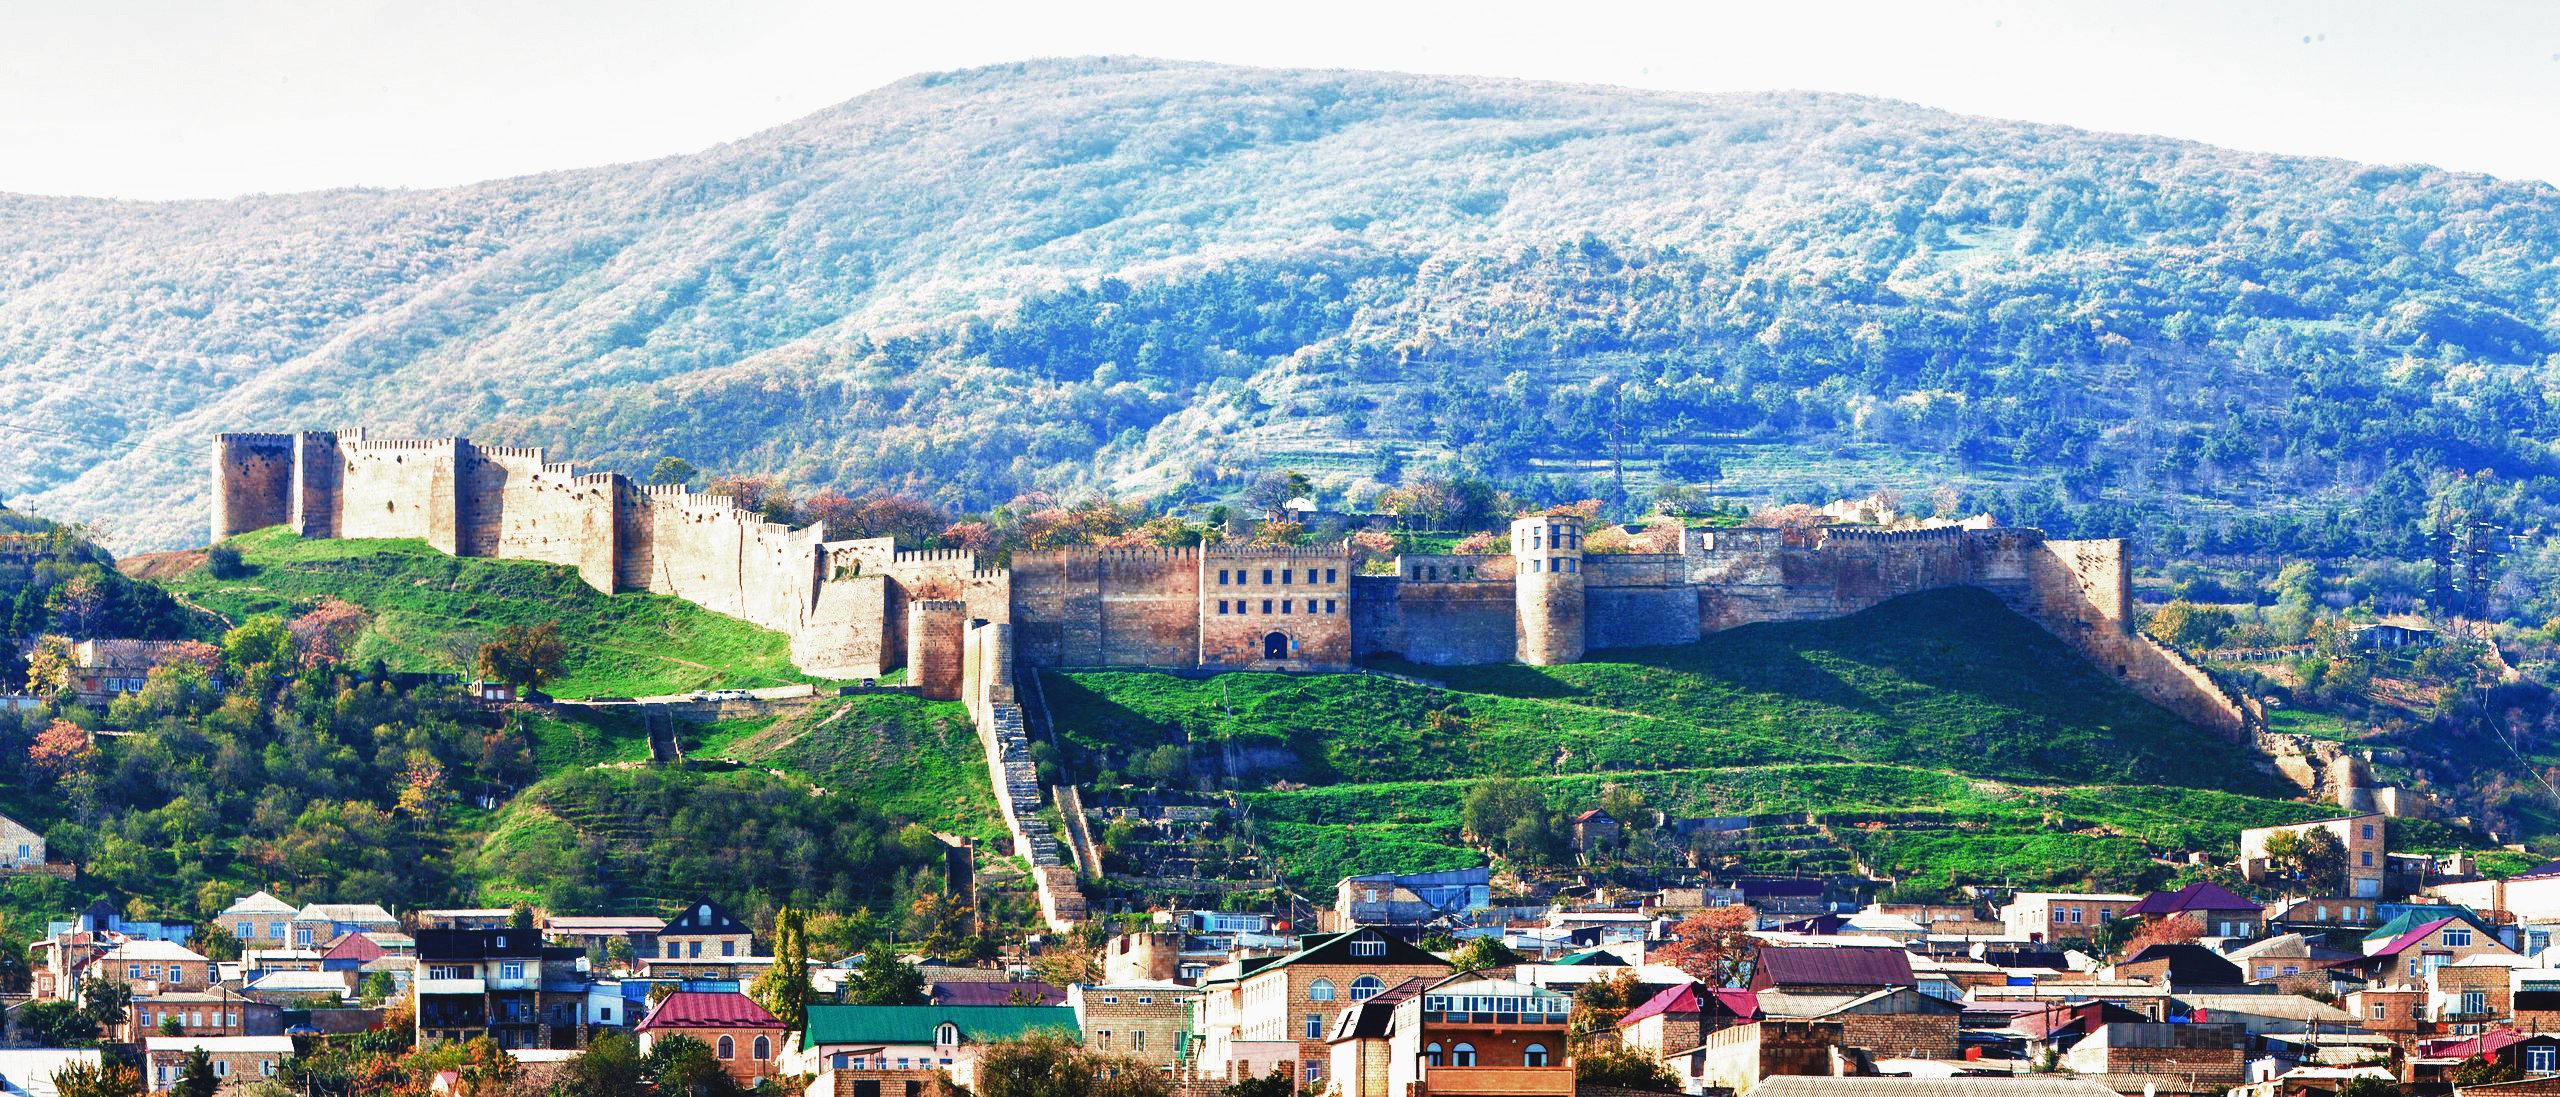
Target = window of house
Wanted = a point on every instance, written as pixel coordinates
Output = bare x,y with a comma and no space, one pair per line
728,948
1365,988
2368,830
2368,858
2475,1001
1535,1055
512,969
266,1068
1431,1054
1320,991
1533,567
947,1036
133,971
222,1068
1146,999
2266,971
2457,938
694,950
1315,1071
728,1047
1315,1026
2542,1059
1138,1039
1102,1039
1368,948
248,930
1464,1055
2379,1011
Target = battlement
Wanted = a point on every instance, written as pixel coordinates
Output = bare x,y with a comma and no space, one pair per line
938,605
1339,551
934,556
254,439
363,444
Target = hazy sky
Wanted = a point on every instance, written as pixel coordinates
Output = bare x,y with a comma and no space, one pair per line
192,98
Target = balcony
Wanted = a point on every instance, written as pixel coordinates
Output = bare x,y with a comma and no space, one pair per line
1555,1081
474,987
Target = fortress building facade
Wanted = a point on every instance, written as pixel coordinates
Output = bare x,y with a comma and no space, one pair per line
858,608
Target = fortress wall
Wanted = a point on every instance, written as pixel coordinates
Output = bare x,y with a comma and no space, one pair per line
1247,594
1745,576
936,635
522,508
1056,615
1635,570
1437,624
1632,617
1150,607
318,471
635,536
403,489
1456,569
2081,591
707,551
934,575
846,635
252,482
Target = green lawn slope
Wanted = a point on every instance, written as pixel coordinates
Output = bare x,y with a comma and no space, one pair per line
431,611
1938,739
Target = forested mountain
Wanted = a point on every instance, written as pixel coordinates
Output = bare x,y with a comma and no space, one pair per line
1157,278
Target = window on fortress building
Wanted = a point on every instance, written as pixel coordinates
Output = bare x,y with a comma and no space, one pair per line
1333,575
1266,577
1222,577
1328,606
1266,605
1287,576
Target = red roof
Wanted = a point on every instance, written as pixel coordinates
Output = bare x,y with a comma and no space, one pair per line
1687,998
2401,943
708,1009
2487,1043
1790,965
2193,897
356,947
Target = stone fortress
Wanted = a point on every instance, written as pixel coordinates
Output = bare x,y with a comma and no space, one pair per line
856,609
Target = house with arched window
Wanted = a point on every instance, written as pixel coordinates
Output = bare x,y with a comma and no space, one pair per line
873,1051
1464,1035
1250,1006
745,1037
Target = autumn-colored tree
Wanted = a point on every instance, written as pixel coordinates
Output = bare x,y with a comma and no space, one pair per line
1280,534
422,791
1372,549
49,665
75,603
1714,946
2180,929
971,536
1483,544
524,657
833,509
910,520
327,634
63,748
92,1080
745,489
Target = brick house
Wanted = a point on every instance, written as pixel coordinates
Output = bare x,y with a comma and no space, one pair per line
1899,1023
2214,1054
703,941
260,921
1596,832
2222,913
2361,836
1142,1020
220,1011
1465,1034
2061,916
20,848
1738,1057
2397,1012
876,1043
239,1062
155,967
2468,995
316,925
1409,899
2408,957
1679,1017
745,1037
102,670
1294,998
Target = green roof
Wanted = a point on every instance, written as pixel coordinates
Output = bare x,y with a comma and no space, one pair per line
917,1024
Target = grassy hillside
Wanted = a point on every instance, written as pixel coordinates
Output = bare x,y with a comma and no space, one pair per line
1939,739
431,612
908,757
1947,679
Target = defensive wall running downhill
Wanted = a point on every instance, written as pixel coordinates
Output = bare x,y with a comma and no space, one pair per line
856,609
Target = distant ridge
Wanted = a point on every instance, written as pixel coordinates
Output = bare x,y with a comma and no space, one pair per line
1137,275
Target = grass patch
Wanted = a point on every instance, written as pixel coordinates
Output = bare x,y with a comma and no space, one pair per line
2315,725
909,758
432,611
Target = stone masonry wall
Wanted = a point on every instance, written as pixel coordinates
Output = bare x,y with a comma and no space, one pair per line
1453,623
1246,594
252,478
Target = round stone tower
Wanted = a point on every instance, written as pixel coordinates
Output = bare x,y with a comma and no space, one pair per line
1548,550
936,631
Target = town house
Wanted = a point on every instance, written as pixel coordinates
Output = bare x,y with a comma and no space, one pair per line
850,1045
2060,916
239,1062
504,984
1294,998
704,941
260,921
1464,1036
2361,836
747,1039
1142,1020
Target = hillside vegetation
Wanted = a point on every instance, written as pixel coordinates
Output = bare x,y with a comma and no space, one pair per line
431,612
1938,739
1162,277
